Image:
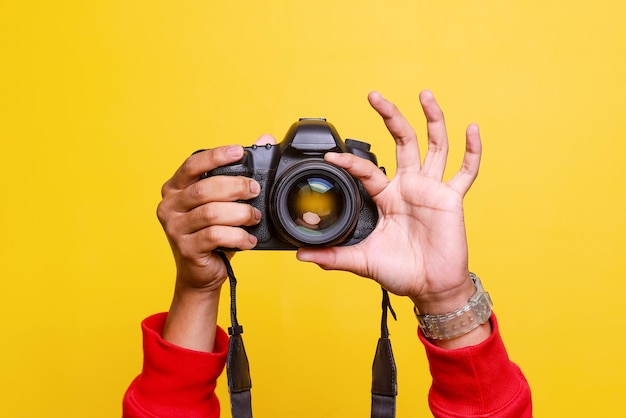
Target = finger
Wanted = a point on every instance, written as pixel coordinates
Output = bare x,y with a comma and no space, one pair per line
371,177
213,237
219,213
265,139
216,189
463,179
407,150
435,160
199,163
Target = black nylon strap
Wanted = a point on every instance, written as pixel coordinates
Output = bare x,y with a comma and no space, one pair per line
383,406
384,372
237,366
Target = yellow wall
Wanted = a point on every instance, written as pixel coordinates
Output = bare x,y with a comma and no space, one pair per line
101,100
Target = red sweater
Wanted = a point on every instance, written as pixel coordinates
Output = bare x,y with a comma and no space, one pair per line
175,382
477,381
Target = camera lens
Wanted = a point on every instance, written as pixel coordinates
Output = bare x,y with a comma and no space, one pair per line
315,204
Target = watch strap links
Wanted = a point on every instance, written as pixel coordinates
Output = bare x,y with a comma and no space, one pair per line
450,325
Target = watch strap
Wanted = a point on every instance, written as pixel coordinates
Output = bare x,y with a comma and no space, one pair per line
450,325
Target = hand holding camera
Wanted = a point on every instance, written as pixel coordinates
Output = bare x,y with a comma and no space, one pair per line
200,216
419,247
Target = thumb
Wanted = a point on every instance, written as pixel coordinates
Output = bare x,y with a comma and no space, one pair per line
333,258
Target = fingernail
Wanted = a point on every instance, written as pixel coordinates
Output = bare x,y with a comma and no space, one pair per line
255,188
252,239
257,214
234,151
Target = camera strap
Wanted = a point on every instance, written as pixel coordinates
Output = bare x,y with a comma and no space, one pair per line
384,373
237,365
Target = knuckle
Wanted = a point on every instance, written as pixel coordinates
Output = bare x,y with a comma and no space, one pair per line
210,214
243,186
244,215
162,212
437,146
211,234
234,187
187,167
186,250
252,214
198,192
165,189
171,233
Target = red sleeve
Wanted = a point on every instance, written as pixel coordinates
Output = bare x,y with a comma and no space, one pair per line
175,382
477,381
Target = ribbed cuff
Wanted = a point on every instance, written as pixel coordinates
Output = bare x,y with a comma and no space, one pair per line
175,381
477,380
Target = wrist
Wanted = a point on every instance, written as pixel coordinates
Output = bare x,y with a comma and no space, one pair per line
191,279
192,319
196,293
466,325
448,300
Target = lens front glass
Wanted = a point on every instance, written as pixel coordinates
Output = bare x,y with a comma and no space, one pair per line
315,204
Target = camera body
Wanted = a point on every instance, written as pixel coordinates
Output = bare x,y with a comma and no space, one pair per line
305,201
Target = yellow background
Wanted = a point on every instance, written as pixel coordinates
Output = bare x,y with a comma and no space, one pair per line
100,101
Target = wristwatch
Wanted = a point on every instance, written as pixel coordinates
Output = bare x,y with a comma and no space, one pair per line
476,312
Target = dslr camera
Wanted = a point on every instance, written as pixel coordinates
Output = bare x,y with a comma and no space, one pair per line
305,201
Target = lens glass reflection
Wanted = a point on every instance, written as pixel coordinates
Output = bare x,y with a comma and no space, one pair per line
315,204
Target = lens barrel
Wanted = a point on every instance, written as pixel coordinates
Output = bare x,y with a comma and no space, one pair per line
314,203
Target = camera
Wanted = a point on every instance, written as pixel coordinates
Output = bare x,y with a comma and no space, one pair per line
305,201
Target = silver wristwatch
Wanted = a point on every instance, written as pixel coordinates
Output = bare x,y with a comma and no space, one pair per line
476,312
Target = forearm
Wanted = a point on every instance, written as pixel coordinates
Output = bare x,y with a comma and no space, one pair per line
192,320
